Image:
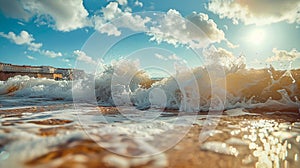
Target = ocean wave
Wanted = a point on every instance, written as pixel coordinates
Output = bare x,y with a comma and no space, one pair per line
197,90
201,88
25,86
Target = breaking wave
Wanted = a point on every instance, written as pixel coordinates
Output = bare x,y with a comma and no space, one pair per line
192,90
25,86
122,83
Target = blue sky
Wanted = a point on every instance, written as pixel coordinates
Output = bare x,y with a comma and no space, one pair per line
57,33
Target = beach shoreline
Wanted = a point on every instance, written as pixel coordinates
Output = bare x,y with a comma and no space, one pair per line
189,152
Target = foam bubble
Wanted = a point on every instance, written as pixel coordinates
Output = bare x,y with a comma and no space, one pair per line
123,83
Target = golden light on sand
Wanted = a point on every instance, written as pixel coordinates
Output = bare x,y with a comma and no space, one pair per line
256,36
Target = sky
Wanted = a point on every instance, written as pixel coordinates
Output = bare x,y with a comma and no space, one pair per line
84,34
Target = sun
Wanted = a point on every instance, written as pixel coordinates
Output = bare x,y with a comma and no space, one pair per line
256,36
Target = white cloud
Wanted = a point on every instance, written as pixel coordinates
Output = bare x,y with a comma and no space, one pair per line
196,31
68,15
208,26
111,11
23,39
128,9
138,3
172,57
217,55
14,9
109,29
133,22
114,18
283,55
65,60
63,15
81,56
31,57
35,46
122,2
51,54
230,45
169,29
101,24
161,57
258,12
27,39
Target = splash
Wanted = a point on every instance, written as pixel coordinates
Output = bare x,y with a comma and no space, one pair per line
24,86
123,83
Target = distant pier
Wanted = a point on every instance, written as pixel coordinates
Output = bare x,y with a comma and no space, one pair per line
9,70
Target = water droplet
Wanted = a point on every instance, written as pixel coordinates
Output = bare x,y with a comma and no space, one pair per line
289,146
4,155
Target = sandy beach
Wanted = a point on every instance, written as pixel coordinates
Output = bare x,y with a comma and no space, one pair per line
269,139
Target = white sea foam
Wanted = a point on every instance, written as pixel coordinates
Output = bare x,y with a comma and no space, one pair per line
123,84
24,86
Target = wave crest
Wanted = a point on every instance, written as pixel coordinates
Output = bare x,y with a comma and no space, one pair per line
124,84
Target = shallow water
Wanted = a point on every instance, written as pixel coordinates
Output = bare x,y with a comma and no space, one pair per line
63,136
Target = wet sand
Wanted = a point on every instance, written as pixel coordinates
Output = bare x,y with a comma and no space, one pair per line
190,147
253,141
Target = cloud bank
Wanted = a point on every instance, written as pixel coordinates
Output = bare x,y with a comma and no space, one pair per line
125,19
196,30
68,15
283,55
63,15
258,12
